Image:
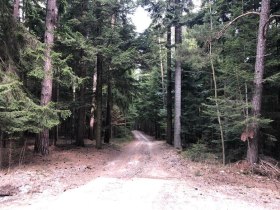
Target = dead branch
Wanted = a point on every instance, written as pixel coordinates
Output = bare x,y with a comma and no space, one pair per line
274,167
267,168
274,16
220,33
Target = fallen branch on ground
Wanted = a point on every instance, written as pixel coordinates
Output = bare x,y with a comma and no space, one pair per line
267,168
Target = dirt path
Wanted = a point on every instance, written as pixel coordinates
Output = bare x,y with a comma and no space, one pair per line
149,174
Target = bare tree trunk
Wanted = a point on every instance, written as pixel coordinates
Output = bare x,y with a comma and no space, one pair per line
169,139
161,71
98,127
178,78
73,120
55,130
108,128
1,149
81,124
93,108
16,9
56,127
81,112
253,150
42,142
107,135
98,95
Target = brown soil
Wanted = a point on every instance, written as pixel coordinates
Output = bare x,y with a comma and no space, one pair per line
142,174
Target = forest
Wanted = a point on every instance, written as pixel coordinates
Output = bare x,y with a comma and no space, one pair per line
206,81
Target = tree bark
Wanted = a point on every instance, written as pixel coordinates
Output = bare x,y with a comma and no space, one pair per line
42,142
81,112
56,127
16,10
108,129
93,108
98,127
73,120
253,144
55,130
178,78
161,71
169,139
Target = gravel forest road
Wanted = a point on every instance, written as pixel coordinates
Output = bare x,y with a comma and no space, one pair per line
144,176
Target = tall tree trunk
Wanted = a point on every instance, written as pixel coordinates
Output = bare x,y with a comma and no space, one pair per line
169,139
108,129
93,107
1,148
81,112
55,130
42,142
56,136
161,71
178,76
253,145
98,127
73,120
16,9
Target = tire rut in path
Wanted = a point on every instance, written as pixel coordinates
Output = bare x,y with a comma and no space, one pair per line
142,177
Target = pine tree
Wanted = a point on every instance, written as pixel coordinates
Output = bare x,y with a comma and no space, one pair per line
178,76
253,151
42,142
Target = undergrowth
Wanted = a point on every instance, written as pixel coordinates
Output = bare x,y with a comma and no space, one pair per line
200,153
123,139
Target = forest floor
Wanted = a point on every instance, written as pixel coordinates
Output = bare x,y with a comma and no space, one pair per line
141,174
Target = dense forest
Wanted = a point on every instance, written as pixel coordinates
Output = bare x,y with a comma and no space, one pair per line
205,81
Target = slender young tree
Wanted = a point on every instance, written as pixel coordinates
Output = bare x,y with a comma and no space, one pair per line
216,91
178,77
253,151
42,142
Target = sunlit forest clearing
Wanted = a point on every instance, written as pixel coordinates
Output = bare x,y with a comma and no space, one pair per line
184,114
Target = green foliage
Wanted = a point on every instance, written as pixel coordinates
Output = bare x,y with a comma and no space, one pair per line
35,18
19,113
234,59
122,133
22,62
